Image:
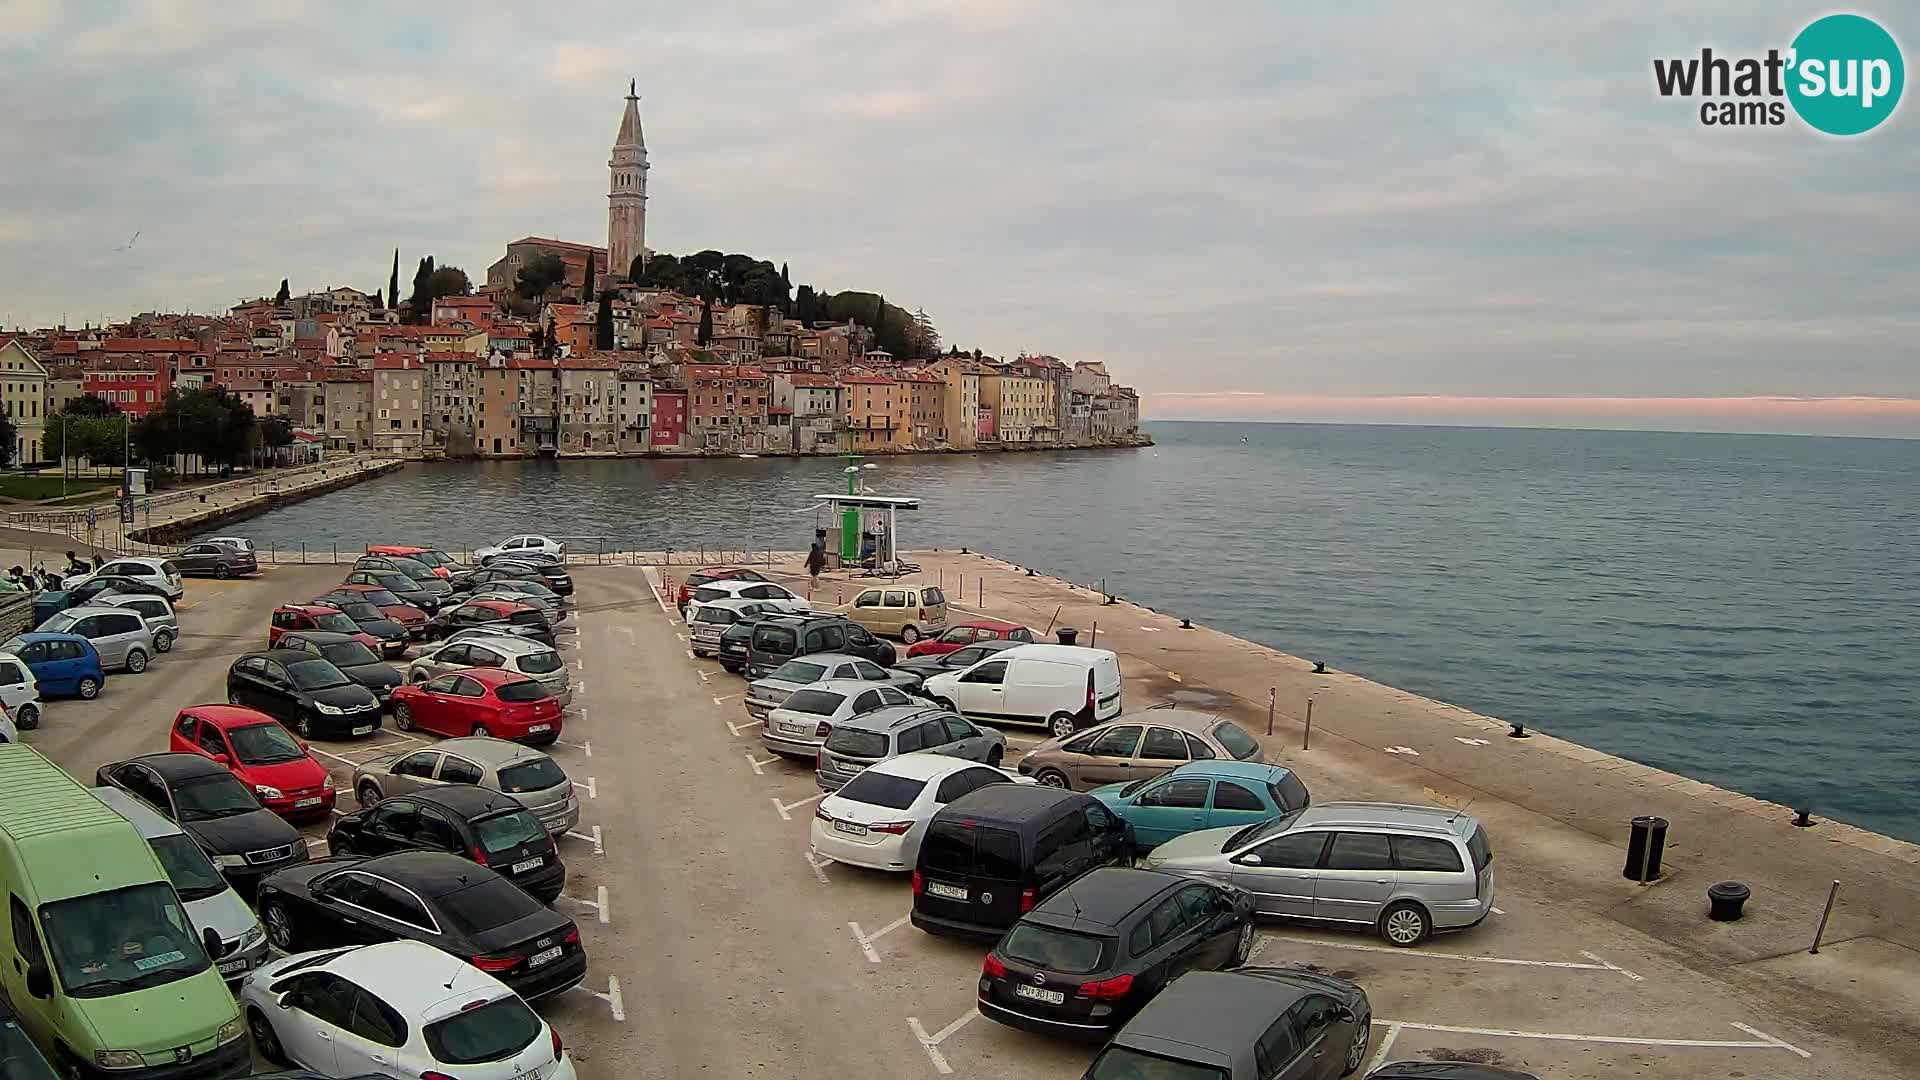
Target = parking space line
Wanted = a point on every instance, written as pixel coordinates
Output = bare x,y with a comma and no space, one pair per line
599,906
784,807
334,756
704,675
1763,1036
819,866
737,728
728,697
1572,965
866,940
1610,967
592,792
611,997
757,763
585,746
690,655
1386,1047
931,1043
1763,1042
598,849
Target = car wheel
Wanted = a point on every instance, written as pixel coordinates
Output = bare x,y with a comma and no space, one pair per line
279,924
480,732
1405,924
265,1039
89,688
1061,725
163,642
304,726
28,717
369,796
734,668
1244,947
403,717
220,572
909,633
995,756
1051,778
137,661
945,704
233,698
1357,1053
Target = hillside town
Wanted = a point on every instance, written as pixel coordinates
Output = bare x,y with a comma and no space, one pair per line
569,349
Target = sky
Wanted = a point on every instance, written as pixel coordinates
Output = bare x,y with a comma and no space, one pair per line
1394,212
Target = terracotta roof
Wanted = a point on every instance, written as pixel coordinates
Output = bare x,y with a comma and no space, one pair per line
779,410
589,363
723,371
389,362
566,245
802,378
867,380
149,345
444,357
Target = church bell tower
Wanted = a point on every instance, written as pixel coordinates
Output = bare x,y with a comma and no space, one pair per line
627,192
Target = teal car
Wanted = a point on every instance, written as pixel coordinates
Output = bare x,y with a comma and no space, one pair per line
1203,795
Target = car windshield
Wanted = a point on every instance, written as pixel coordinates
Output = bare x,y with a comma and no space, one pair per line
120,941
264,744
1126,1063
192,874
492,1032
1260,830
316,675
813,702
59,624
414,569
527,618
204,798
361,612
505,832
537,775
1238,743
381,597
856,743
396,583
524,690
22,1061
433,558
1055,950
335,622
879,789
540,663
348,654
489,902
799,671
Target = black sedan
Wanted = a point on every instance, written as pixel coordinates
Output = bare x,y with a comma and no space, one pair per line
1090,955
244,839
474,822
407,590
427,896
304,692
551,572
370,620
498,572
422,574
354,659
963,657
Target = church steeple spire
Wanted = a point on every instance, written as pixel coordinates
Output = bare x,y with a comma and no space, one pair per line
627,190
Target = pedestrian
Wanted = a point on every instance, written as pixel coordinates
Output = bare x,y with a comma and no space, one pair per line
816,560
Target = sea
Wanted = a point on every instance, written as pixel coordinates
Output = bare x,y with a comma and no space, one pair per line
1743,609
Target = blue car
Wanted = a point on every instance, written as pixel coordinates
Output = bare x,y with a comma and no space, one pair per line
65,665
1203,795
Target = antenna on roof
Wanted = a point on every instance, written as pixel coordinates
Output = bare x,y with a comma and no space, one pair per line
1459,811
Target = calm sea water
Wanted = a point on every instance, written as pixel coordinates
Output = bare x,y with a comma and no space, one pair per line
1742,609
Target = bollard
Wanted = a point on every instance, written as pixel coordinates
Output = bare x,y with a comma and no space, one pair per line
303,553
1186,624
1825,913
981,584
1306,739
1270,693
1803,817
1644,846
1519,730
1725,899
1319,667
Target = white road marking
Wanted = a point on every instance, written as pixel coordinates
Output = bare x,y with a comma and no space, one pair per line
682,637
1386,1046
931,1043
585,746
1610,967
611,997
1422,954
866,940
1151,629
1782,1044
1498,911
592,792
598,849
1471,742
627,630
578,665
737,728
690,655
599,906
1408,750
1175,676
784,807
729,697
756,763
408,738
819,867
334,756
704,675
1764,1041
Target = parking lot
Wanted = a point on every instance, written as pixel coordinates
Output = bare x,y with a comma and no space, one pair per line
718,945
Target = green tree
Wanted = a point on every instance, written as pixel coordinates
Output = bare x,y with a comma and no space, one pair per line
92,405
8,433
281,296
586,284
275,432
393,283
705,334
539,275
603,323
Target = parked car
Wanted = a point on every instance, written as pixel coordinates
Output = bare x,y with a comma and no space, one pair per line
1138,746
411,1010
711,573
497,572
963,634
400,585
1406,871
798,726
441,563
527,774
531,593
1085,959
480,702
280,771
351,654
518,545
119,636
488,827
157,612
209,899
522,619
867,739
238,543
487,631
19,692
737,639
764,592
63,665
292,618
878,819
991,855
1203,795
1062,687
157,574
766,693
959,659
778,639
304,692
370,621
421,574
706,624
506,653
552,573
907,612
413,618
428,896
215,560
245,839
1257,1023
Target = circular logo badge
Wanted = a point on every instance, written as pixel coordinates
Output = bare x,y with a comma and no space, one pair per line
1847,75
986,898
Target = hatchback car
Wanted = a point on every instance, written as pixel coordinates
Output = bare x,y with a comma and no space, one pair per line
400,585
522,620
441,563
763,592
1257,1023
497,573
765,694
1085,959
967,633
859,742
398,1008
63,665
159,575
157,612
877,820
527,774
369,620
480,702
407,615
433,897
798,726
421,574
1203,795
506,653
244,838
991,855
519,545
19,692
958,660
711,573
349,653
780,638
119,636
304,692
551,573
907,612
289,618
488,827
531,593
1138,746
216,560
1405,871
707,623
283,774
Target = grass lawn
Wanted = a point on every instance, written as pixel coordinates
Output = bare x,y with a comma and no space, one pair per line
18,486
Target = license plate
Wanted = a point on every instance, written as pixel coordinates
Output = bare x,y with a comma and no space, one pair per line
849,828
1035,993
531,728
795,729
951,892
230,966
363,729
542,957
302,804
525,865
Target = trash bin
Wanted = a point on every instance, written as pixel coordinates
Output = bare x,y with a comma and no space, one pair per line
1644,845
1066,634
1725,899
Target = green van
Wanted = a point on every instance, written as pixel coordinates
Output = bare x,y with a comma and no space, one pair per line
97,955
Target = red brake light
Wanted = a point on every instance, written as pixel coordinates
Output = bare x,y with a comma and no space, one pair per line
891,828
1026,900
430,1075
1089,693
479,856
573,936
992,968
820,759
1117,987
557,1046
495,963
823,729
918,884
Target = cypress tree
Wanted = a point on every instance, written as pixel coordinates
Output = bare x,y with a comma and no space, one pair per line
393,283
603,323
281,296
586,286
705,335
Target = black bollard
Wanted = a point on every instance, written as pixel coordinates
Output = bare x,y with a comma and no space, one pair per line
1725,899
1803,817
1644,846
1066,634
1519,730
1186,624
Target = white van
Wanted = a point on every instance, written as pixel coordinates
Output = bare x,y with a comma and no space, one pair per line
211,903
1064,687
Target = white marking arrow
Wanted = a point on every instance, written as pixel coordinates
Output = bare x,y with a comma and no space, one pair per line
1408,750
1470,742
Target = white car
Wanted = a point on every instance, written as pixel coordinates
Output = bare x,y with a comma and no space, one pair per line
799,726
523,655
398,1008
711,619
159,573
878,818
19,692
517,545
238,543
8,733
773,596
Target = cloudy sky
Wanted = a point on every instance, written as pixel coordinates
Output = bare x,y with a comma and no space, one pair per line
1398,211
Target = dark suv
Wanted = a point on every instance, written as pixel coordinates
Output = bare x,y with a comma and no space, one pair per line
781,638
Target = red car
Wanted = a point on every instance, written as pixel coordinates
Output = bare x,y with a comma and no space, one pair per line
963,634
713,573
291,617
278,768
482,702
392,607
435,560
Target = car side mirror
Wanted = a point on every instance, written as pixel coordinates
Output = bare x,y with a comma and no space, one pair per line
39,981
220,759
284,1001
1346,1015
211,940
1248,859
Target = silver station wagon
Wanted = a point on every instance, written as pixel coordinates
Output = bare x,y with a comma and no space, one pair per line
520,771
